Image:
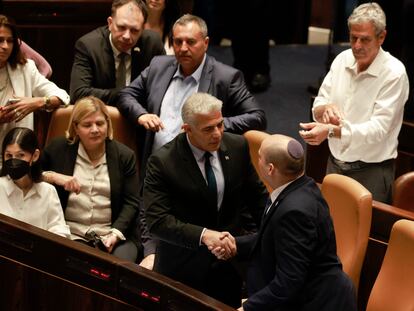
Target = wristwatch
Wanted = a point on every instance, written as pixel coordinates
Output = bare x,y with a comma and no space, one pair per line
48,105
331,132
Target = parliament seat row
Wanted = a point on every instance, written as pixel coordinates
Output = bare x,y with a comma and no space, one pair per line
43,271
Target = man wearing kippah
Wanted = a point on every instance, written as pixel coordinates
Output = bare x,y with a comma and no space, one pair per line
293,261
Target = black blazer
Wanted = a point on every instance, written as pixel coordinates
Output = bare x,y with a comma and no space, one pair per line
59,156
293,262
178,205
145,94
93,70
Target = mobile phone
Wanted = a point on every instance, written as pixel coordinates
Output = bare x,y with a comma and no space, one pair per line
12,101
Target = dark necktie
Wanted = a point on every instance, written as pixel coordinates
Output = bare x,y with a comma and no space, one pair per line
210,177
121,71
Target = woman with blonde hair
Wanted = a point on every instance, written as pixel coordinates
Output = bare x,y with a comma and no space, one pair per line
96,180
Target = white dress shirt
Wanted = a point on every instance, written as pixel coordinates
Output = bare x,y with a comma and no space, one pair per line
372,103
40,207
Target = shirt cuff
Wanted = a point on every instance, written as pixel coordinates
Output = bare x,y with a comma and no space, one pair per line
118,234
201,236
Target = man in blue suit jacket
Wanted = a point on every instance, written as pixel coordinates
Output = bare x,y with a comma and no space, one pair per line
155,98
293,262
96,53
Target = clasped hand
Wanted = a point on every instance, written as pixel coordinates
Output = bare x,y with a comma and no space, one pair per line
221,244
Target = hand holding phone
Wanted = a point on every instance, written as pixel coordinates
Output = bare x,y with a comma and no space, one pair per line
12,101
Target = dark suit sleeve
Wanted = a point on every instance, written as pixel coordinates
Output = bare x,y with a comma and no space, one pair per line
295,237
244,245
133,98
241,111
82,76
159,205
129,196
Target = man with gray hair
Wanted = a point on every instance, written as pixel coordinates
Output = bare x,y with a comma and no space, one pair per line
360,106
200,190
293,262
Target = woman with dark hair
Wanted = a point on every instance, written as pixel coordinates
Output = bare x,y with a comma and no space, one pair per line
162,15
23,89
22,194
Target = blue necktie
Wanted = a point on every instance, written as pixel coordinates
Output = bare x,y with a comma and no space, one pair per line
210,177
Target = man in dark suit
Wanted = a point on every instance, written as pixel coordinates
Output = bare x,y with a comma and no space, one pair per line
98,54
155,98
293,262
188,214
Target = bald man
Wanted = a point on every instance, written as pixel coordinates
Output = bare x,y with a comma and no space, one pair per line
292,259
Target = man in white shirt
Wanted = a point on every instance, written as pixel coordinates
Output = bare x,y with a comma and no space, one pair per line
360,106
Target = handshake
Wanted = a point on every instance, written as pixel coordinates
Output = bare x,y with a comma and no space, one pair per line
220,244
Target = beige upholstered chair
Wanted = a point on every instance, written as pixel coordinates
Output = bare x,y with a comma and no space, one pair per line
350,205
255,138
394,287
403,195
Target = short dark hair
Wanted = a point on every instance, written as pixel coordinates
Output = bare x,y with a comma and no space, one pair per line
139,3
27,140
16,56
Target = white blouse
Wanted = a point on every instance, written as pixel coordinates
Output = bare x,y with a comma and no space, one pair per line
40,207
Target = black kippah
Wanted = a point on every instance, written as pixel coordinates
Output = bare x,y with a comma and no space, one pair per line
295,149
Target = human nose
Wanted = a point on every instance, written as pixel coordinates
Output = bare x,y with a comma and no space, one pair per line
94,128
127,34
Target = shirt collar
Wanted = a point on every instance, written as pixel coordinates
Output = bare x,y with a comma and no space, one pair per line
199,153
114,49
11,187
374,69
275,193
196,75
84,155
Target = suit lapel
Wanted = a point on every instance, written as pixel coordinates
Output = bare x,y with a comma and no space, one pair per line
160,86
108,55
206,76
70,159
193,170
17,81
135,61
274,207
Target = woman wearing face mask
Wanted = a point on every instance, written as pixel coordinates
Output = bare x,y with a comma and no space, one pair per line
22,194
96,180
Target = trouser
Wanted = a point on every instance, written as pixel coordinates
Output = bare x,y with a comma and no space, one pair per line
378,178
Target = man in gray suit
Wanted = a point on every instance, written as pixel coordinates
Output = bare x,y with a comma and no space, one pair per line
154,100
100,54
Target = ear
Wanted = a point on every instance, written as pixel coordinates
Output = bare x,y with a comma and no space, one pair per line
271,169
382,36
186,128
109,20
35,156
206,41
